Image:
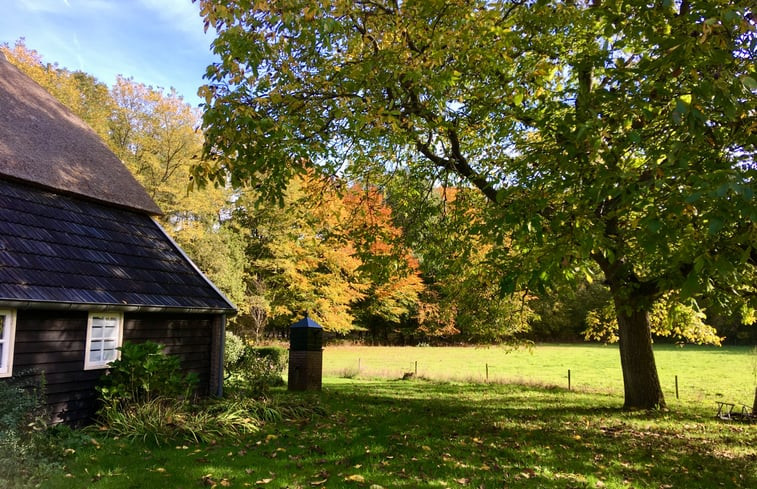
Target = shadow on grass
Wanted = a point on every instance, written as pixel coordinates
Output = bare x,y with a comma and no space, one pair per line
413,434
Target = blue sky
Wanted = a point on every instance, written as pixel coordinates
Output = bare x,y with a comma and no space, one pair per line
156,42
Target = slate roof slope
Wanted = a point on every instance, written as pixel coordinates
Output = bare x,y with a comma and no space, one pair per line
59,249
42,141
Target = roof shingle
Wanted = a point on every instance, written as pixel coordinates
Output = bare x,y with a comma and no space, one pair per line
62,249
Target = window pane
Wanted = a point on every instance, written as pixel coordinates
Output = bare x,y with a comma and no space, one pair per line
109,331
95,356
109,355
97,332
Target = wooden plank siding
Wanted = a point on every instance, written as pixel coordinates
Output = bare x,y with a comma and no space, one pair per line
185,335
51,343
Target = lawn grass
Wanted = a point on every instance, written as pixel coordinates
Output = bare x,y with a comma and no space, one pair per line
415,433
458,431
705,374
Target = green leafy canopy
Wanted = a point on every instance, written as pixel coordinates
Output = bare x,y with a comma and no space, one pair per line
615,136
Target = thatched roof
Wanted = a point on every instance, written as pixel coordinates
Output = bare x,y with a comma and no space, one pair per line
42,142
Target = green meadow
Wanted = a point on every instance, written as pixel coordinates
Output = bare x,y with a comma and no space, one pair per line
447,428
705,374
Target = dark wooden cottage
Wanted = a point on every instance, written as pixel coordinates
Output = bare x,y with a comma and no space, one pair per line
83,264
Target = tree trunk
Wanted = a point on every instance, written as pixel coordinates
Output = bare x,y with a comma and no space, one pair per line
640,380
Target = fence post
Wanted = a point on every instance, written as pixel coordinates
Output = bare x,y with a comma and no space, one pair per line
416,368
487,372
568,379
676,387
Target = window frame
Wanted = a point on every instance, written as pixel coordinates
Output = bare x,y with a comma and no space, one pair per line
93,365
8,339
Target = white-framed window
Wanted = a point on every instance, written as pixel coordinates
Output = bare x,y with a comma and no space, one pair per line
7,334
104,335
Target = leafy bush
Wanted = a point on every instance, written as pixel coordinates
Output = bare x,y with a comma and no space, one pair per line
233,350
144,373
259,369
275,355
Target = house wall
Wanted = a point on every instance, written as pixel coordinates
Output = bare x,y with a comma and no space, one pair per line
52,342
188,336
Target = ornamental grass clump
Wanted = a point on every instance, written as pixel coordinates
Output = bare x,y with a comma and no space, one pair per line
170,420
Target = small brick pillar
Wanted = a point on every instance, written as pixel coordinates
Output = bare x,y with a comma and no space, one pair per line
305,355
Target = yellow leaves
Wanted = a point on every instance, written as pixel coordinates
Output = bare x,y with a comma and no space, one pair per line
208,481
355,478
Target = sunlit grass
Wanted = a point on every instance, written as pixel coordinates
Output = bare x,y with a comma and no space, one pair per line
704,374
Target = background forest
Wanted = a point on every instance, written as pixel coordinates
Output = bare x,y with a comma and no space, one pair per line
399,260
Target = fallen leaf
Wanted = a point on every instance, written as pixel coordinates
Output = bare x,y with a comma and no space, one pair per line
355,478
463,481
263,481
318,483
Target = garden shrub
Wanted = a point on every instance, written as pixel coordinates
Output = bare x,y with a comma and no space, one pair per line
259,369
276,356
143,373
233,351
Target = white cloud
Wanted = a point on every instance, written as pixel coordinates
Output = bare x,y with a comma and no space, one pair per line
179,15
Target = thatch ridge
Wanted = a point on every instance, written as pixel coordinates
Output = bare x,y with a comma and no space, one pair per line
42,142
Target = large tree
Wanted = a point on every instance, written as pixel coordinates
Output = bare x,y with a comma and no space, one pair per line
618,134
